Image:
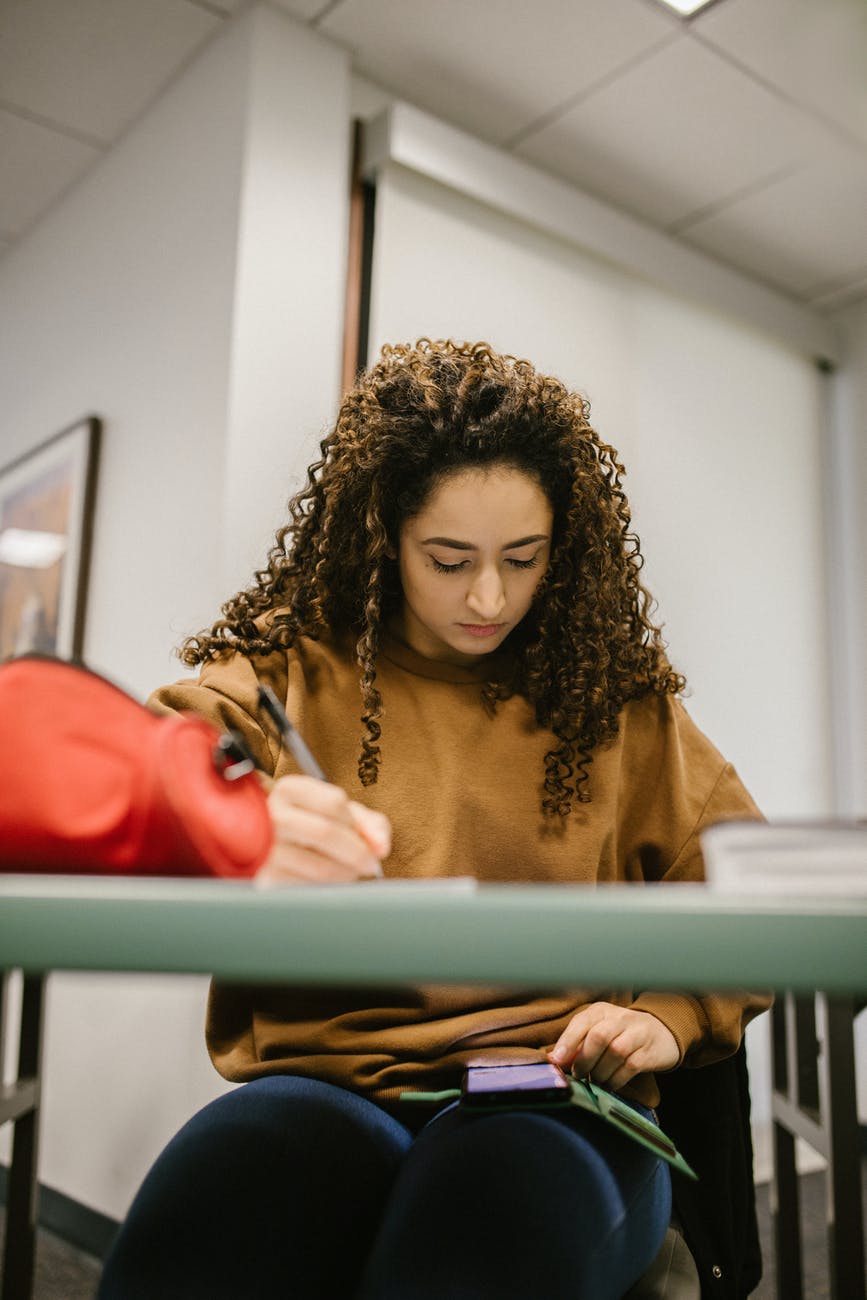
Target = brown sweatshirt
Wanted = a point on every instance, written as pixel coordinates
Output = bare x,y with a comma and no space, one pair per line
462,789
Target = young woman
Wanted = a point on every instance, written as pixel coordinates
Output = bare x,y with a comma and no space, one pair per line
455,620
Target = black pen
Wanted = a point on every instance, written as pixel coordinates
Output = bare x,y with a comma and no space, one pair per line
291,736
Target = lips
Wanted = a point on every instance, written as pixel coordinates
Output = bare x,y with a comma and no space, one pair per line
482,629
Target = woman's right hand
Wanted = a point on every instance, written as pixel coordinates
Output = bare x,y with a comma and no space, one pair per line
321,836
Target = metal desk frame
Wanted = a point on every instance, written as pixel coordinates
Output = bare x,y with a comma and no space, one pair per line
19,1104
814,1098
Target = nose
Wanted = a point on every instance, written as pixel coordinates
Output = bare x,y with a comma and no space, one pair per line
486,597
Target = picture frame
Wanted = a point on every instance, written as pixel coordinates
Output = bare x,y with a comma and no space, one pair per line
47,501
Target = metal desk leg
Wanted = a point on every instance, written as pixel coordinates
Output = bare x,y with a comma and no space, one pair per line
814,1099
22,1199
840,1111
786,1200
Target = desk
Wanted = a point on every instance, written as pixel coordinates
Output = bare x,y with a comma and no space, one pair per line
684,936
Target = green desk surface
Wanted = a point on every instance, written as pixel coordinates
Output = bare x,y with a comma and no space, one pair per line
401,932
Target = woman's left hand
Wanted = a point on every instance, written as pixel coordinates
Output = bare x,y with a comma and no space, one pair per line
612,1044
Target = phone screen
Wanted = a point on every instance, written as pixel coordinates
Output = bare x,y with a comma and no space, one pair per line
515,1084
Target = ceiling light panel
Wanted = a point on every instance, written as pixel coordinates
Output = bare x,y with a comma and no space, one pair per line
686,8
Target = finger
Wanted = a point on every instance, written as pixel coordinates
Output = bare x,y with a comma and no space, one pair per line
293,793
299,827
291,864
594,1049
606,1044
627,1071
638,1062
620,1058
567,1049
374,828
317,796
644,1045
571,1041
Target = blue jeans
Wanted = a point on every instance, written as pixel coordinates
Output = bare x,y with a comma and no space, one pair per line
292,1187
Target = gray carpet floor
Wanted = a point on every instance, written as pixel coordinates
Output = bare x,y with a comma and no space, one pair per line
64,1273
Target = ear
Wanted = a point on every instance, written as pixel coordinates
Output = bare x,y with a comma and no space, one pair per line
391,552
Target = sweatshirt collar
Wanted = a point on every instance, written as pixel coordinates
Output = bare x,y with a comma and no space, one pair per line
493,667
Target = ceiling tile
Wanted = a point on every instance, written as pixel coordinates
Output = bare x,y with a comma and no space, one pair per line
494,68
807,233
37,165
813,50
306,10
93,65
674,134
695,127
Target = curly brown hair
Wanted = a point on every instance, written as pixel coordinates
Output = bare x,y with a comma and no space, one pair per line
588,643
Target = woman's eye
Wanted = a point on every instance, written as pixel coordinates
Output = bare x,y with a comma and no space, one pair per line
447,568
462,564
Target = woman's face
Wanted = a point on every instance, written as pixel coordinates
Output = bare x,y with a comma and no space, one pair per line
470,562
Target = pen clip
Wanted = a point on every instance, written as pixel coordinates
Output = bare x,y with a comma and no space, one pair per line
232,758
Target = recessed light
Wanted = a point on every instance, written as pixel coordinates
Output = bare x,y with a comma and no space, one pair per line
686,8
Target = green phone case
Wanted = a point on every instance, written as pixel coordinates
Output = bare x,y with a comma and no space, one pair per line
607,1106
596,1101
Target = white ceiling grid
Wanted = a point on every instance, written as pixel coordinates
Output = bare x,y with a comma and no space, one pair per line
742,132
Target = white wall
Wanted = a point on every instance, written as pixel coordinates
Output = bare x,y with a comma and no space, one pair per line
848,452
291,276
849,439
120,303
189,291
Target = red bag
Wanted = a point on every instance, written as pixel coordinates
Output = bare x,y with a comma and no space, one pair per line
92,782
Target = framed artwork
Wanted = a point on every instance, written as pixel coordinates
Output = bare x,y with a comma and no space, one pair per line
47,501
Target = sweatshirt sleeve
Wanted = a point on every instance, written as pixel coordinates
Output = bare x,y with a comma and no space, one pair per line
707,1026
226,695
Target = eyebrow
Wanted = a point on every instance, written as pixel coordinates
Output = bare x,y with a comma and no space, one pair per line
455,545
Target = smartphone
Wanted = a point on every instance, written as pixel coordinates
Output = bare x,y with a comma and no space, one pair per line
538,1083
